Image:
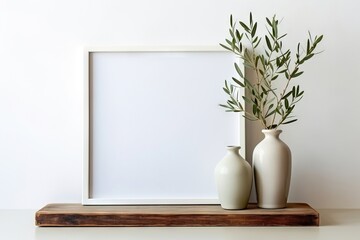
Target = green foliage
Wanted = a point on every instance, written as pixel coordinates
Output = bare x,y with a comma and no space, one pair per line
270,62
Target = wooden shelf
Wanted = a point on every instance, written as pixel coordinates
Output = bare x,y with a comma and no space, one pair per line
76,215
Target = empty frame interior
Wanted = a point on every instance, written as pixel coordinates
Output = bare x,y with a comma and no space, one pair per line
154,130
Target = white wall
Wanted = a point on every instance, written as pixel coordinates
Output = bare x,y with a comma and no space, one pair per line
41,87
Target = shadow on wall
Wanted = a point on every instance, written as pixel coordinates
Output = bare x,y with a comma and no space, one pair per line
253,137
252,128
253,133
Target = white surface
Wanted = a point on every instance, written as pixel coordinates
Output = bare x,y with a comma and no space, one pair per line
41,79
154,130
335,224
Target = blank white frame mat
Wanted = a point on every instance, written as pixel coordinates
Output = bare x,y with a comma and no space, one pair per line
154,130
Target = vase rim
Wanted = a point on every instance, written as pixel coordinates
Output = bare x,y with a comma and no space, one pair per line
271,130
233,147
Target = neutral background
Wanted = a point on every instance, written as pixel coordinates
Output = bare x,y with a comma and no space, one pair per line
41,82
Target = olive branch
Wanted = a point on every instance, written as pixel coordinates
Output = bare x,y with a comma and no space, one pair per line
270,105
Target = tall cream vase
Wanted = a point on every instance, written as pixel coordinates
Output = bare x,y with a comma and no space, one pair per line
233,177
272,170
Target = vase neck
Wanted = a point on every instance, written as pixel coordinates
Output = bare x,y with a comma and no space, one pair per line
271,133
233,149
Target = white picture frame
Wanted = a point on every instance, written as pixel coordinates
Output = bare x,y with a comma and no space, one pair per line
117,173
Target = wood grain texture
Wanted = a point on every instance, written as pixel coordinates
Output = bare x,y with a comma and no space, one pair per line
76,215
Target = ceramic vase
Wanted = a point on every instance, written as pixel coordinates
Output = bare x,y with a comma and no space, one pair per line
234,180
272,170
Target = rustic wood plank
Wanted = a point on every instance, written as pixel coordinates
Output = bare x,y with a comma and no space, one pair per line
70,215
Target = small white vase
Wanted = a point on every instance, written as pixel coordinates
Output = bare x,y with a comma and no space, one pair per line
272,170
234,180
